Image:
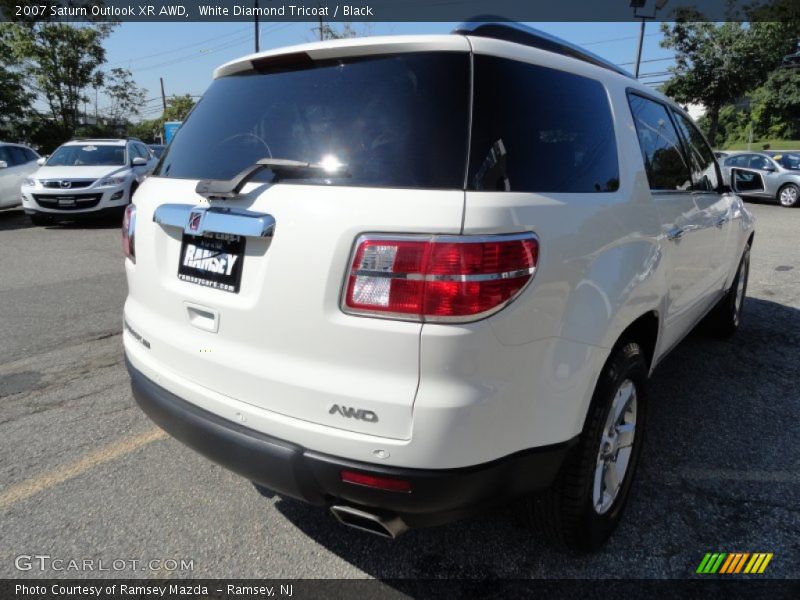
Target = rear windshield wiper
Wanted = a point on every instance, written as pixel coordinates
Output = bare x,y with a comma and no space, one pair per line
230,188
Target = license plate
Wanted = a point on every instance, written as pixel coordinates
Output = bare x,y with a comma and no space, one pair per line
213,260
66,201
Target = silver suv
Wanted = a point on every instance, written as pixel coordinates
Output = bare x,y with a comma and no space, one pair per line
780,175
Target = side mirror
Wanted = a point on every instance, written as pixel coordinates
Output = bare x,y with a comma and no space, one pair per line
41,161
3,164
139,162
746,181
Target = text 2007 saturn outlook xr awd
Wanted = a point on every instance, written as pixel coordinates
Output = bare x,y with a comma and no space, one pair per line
406,278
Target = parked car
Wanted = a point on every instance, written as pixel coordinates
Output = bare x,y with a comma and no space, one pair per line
788,160
86,177
157,149
16,163
324,298
781,177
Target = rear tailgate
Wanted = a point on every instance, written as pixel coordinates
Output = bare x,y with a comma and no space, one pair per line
282,342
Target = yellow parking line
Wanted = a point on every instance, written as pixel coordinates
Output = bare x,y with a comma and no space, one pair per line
26,489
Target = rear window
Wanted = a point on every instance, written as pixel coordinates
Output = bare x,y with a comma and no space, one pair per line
540,130
394,121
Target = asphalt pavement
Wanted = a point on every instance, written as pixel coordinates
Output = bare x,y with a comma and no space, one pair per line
85,475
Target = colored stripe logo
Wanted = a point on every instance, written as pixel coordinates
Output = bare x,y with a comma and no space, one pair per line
735,562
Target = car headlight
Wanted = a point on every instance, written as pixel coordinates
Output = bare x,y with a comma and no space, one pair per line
29,182
113,181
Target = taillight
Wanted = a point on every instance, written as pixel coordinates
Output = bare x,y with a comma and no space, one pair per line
439,277
128,230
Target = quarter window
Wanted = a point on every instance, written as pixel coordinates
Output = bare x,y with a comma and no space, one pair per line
540,130
663,157
704,165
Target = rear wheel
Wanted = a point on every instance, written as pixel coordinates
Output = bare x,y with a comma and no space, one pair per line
586,501
725,317
789,195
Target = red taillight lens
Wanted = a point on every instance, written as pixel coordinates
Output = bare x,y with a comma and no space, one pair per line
438,278
128,230
382,483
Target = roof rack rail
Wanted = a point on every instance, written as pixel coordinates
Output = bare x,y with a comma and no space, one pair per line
499,29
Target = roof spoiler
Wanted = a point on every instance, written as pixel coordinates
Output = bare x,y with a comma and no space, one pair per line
500,29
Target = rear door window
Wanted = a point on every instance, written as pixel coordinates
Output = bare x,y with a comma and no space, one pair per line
393,121
537,129
664,161
701,158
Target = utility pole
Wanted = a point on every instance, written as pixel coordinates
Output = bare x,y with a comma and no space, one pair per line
639,49
258,31
163,95
321,29
636,5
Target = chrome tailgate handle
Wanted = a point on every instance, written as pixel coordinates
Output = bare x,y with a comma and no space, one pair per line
198,220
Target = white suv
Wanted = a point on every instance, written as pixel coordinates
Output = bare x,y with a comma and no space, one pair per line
16,163
91,177
409,277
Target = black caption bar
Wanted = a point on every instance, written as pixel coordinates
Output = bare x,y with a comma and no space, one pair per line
397,10
334,589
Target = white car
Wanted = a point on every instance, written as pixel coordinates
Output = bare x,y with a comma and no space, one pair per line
407,278
17,162
92,177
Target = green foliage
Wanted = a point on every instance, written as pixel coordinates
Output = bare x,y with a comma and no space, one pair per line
126,97
178,107
60,61
718,63
15,98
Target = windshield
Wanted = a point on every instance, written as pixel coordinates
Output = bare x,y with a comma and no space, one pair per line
394,121
789,161
87,156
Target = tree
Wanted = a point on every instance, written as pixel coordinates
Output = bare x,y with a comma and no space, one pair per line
61,61
15,98
775,106
126,97
716,64
178,107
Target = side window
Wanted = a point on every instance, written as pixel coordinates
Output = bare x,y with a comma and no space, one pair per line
704,165
663,156
740,160
759,162
18,156
5,155
30,154
540,130
143,151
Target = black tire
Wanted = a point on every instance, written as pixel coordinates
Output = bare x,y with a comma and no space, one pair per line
565,514
40,220
789,200
724,319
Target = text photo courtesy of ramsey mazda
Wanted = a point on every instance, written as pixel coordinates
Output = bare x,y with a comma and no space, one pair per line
407,328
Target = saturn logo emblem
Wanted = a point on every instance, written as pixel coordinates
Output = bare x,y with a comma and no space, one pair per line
194,220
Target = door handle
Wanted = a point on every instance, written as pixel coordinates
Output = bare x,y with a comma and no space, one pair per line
675,233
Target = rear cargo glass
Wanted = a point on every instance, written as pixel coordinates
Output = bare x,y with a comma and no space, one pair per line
540,130
394,121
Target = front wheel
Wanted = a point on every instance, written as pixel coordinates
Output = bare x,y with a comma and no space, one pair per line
789,195
585,503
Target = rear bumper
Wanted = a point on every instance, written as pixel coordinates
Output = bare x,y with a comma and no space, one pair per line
437,495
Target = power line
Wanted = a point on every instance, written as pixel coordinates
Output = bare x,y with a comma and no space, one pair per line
179,48
619,39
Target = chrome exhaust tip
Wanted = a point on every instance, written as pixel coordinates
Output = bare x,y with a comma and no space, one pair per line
384,526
